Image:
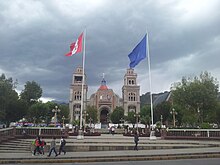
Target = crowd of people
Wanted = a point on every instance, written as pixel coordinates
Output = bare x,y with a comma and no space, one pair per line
39,144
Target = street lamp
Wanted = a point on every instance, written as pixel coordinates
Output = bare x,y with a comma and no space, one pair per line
63,118
56,110
174,113
161,121
84,117
122,121
137,116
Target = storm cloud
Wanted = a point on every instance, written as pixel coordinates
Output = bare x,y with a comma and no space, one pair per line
184,39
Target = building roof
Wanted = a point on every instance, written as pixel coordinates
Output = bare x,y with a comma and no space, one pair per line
161,98
103,85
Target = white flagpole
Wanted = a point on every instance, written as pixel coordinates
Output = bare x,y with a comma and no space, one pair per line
152,136
80,135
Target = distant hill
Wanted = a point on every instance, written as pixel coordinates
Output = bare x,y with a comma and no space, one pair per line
59,102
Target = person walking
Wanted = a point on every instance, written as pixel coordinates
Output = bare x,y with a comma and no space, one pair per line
53,147
43,143
37,145
136,139
62,146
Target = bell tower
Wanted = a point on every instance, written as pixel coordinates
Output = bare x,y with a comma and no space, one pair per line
76,94
131,93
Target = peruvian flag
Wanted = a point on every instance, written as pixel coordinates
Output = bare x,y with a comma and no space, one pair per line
76,47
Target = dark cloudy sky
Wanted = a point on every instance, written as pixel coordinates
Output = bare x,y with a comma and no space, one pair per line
184,38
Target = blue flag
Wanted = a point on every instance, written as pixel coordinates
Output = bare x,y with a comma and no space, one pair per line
138,53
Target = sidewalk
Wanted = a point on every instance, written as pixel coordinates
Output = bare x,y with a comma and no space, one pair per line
125,155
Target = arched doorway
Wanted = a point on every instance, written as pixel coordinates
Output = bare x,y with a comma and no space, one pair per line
132,108
104,116
104,111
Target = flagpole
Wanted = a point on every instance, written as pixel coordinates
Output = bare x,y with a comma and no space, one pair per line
80,134
152,136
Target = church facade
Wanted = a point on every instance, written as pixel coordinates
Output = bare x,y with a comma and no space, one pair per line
104,99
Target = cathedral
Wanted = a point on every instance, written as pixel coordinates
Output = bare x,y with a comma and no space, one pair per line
104,99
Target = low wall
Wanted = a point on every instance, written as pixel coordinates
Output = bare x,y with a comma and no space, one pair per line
47,132
191,134
6,134
31,132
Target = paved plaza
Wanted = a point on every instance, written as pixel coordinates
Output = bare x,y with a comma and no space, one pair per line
115,148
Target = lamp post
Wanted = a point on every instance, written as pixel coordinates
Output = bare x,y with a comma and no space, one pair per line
63,118
136,116
122,121
174,113
161,121
56,110
84,117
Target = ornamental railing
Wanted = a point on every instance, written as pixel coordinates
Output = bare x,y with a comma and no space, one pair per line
192,133
48,132
6,134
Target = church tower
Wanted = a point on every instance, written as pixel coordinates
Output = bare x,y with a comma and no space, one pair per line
76,94
131,93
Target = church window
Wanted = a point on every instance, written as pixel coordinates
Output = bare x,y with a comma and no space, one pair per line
78,79
76,108
132,82
131,96
77,95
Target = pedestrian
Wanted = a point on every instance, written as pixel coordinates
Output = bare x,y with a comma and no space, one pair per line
43,144
62,146
37,145
53,147
136,139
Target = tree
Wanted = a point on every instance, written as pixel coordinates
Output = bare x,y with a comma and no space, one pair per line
8,95
162,109
64,111
17,109
196,98
145,114
31,93
38,112
117,115
131,117
92,113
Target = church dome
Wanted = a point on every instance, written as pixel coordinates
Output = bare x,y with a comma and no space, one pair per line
103,85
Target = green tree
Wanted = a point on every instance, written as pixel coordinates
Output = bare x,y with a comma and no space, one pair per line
196,98
64,111
31,93
145,114
117,115
8,96
131,117
38,113
162,109
92,113
17,110
218,113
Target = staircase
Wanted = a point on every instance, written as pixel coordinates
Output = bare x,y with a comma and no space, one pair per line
16,146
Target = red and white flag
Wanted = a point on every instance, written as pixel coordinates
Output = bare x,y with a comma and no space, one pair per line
76,47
